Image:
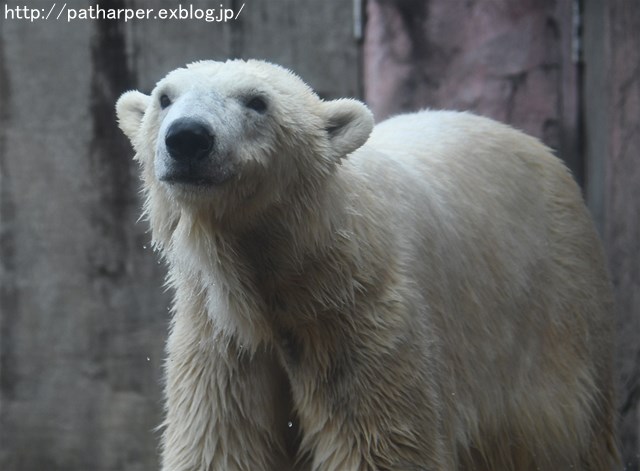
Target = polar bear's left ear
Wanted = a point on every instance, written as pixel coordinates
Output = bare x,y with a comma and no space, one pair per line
348,123
130,109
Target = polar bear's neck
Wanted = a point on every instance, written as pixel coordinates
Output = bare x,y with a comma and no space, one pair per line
307,255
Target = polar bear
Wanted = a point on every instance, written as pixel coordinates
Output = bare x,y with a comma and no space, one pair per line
425,294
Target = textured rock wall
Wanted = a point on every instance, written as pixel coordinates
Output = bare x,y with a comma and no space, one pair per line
511,61
622,207
566,72
82,309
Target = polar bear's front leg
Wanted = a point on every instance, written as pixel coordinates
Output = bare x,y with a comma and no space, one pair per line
368,402
225,409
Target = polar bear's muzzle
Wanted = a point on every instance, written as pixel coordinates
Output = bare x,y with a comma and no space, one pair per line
188,140
189,155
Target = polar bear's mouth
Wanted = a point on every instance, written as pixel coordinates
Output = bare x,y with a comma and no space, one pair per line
189,156
195,179
181,180
208,172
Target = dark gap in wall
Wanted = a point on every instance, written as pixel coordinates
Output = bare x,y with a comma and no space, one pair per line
580,149
9,296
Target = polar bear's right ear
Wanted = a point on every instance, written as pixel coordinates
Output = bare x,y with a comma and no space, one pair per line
348,123
130,109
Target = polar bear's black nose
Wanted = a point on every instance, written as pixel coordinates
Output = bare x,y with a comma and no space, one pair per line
188,139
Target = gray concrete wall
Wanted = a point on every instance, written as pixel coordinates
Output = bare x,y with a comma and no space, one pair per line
82,310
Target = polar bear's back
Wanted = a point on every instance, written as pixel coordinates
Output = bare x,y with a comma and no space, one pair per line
456,144
494,229
470,176
470,181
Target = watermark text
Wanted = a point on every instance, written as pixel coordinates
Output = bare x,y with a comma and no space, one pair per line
62,12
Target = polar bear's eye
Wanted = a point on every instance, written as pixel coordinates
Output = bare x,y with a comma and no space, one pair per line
257,103
165,101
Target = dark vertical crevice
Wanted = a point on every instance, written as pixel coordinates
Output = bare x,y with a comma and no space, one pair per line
112,202
114,185
414,15
9,296
361,16
109,150
579,151
594,110
421,57
516,82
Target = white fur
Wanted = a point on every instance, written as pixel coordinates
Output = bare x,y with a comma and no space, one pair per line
434,298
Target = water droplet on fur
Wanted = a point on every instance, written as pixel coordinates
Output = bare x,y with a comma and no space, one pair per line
289,424
144,247
148,359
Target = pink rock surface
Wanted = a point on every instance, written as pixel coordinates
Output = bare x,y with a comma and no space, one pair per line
501,59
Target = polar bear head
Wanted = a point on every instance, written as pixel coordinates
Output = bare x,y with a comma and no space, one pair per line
233,138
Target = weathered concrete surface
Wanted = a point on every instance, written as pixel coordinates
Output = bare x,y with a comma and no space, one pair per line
622,209
82,309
